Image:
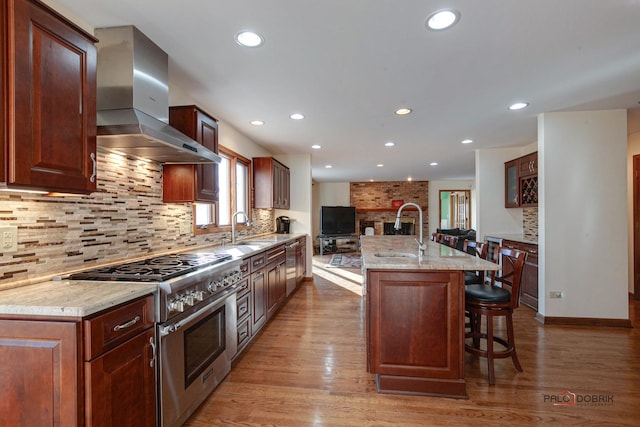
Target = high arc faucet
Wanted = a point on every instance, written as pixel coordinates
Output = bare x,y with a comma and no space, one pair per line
397,226
233,224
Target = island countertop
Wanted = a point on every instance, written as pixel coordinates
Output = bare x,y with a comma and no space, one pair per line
401,253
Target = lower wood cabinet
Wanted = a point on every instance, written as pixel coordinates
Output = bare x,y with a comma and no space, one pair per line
529,291
415,331
40,379
301,260
258,283
276,285
48,380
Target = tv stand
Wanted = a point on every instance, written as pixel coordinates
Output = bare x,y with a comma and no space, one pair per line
353,242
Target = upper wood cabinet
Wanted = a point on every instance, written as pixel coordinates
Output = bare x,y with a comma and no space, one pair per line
271,183
521,181
198,182
48,92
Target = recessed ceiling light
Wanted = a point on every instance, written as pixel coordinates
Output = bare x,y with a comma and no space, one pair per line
466,141
433,164
371,180
409,179
403,111
328,166
389,144
257,122
380,165
316,147
296,116
518,105
249,39
442,19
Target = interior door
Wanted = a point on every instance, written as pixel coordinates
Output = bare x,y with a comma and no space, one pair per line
455,209
636,227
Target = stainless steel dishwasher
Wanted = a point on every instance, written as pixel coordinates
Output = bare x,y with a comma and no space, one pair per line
290,254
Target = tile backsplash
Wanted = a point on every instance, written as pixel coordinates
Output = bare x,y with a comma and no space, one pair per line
530,223
125,218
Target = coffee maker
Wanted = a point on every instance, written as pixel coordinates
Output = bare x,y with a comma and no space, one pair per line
282,225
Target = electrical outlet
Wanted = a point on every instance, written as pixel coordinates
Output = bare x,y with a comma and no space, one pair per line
555,294
8,239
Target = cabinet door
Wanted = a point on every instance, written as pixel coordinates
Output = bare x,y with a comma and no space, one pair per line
529,294
276,286
120,385
39,368
528,165
259,300
190,183
301,260
511,184
52,137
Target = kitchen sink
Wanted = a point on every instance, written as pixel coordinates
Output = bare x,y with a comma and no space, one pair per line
395,255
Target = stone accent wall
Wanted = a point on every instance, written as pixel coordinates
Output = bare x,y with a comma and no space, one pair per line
124,219
373,201
530,222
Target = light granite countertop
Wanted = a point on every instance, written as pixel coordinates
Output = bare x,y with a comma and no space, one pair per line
515,237
401,253
70,298
80,298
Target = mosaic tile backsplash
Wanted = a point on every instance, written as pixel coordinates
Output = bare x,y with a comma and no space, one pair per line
125,218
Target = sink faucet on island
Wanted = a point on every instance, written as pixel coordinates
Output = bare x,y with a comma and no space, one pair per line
398,226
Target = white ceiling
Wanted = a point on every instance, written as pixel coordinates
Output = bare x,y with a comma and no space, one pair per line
349,64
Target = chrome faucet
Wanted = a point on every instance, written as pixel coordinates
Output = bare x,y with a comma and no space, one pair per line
233,224
397,226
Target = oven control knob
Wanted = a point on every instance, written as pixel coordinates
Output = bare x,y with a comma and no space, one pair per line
198,295
176,305
189,299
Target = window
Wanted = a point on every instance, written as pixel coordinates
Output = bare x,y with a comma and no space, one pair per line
234,177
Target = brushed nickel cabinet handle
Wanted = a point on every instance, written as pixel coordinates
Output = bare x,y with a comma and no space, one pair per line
126,324
153,352
92,178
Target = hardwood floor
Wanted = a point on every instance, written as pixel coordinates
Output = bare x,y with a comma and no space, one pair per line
308,368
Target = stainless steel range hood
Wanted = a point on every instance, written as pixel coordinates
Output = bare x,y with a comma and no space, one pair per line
133,100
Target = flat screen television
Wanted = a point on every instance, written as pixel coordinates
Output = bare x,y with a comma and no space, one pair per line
337,220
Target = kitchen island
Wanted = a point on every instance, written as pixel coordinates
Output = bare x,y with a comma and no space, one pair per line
415,315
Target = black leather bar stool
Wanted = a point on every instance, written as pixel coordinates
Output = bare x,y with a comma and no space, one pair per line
478,249
490,301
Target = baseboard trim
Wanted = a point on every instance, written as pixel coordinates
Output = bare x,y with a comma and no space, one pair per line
583,321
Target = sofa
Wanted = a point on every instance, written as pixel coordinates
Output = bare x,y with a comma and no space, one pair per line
461,233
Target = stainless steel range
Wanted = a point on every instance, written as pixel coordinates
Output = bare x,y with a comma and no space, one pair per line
196,323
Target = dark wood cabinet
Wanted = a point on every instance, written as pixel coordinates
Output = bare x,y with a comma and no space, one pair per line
276,279
521,181
529,286
192,182
120,366
415,331
41,382
258,284
271,183
48,91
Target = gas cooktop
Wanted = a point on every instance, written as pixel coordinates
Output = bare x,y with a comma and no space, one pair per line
156,269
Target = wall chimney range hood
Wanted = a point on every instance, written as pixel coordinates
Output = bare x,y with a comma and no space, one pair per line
133,101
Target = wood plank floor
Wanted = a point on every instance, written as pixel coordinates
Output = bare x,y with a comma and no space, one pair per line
308,368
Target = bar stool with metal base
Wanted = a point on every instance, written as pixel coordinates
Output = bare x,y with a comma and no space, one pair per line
491,301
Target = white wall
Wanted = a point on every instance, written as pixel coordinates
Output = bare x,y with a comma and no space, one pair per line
583,236
434,200
491,215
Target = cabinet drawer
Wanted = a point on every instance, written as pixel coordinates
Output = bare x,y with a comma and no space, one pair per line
244,332
243,306
244,267
526,247
113,327
275,254
257,262
243,287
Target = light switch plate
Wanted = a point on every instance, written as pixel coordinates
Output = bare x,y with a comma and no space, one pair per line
555,294
8,239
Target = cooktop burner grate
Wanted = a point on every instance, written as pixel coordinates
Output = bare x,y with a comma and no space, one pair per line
156,269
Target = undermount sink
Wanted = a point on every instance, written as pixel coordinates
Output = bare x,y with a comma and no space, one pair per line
395,255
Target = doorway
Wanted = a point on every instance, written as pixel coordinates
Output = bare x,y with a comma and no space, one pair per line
636,226
455,209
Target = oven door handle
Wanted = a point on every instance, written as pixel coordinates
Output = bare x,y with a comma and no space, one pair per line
171,328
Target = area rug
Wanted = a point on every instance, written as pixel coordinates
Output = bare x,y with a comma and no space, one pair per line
345,261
